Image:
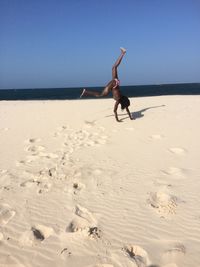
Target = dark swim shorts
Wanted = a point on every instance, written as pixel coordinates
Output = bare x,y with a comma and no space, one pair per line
124,101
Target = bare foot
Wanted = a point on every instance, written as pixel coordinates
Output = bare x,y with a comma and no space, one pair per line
123,50
82,94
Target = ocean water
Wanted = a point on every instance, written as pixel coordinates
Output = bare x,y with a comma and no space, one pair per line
74,93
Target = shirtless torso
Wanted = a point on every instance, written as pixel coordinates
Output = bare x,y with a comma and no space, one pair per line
116,93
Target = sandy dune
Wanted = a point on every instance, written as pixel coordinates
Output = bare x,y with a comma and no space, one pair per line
81,190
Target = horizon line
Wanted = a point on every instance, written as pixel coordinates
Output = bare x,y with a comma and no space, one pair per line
156,84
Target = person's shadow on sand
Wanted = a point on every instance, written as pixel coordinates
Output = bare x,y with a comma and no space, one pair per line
137,114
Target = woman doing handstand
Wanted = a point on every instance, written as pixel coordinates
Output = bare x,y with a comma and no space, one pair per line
113,86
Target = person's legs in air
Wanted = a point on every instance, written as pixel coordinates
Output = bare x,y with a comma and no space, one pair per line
115,66
111,84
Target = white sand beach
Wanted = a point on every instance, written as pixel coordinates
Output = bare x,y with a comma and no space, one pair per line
79,189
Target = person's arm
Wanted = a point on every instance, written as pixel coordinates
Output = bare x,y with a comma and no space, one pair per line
115,110
131,118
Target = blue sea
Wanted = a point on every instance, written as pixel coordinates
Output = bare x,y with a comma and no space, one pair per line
74,93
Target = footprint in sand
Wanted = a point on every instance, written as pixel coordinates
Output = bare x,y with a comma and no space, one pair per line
34,149
6,214
30,183
36,234
60,131
54,173
84,138
138,255
174,255
77,186
40,185
93,139
90,124
48,155
156,137
177,150
33,140
44,188
62,128
28,160
163,202
69,147
102,140
175,172
83,221
42,232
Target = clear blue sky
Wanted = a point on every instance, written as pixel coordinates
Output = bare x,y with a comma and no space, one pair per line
73,43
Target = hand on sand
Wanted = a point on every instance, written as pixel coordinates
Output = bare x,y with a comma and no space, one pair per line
123,50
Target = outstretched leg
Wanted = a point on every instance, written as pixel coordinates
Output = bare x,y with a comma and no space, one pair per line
105,91
114,68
